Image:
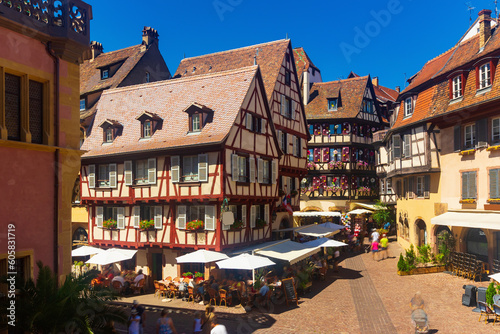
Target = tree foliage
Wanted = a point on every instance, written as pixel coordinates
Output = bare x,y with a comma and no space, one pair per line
382,214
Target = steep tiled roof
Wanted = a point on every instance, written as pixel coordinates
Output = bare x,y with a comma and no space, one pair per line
302,62
270,57
385,94
351,92
90,73
222,92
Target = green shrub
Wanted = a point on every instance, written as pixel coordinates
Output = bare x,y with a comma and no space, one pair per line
411,258
425,253
446,245
490,292
402,265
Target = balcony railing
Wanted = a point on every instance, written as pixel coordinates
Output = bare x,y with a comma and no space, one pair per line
58,18
379,135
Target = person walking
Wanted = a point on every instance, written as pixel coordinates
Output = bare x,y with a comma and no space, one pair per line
197,323
165,325
217,328
209,315
142,315
133,322
384,242
375,246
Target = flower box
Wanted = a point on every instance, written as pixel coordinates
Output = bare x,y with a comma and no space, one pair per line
195,225
493,200
237,225
493,148
468,152
468,201
147,225
423,270
260,223
110,224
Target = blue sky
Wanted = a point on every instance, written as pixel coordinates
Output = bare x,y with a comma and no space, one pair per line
388,39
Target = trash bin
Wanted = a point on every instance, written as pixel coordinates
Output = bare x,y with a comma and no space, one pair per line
469,297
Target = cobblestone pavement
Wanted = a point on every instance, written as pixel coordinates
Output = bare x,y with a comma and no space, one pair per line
366,296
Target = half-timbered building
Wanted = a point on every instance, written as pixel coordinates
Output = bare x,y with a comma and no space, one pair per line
277,65
180,165
342,117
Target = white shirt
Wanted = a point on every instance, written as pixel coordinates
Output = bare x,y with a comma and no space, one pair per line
337,254
219,329
138,278
119,279
375,236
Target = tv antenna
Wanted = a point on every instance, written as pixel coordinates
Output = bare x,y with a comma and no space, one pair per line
496,10
471,10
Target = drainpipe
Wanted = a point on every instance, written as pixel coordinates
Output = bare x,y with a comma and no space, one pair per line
52,54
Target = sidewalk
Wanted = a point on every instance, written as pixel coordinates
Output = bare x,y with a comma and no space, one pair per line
366,296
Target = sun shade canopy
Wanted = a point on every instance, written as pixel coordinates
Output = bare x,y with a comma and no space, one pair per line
245,262
201,256
290,251
316,214
86,250
324,242
112,255
469,219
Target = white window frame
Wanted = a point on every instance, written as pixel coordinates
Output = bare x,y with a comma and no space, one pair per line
242,169
484,76
103,170
495,130
408,107
266,176
141,172
494,183
330,108
190,165
456,86
470,135
196,122
109,134
407,145
146,128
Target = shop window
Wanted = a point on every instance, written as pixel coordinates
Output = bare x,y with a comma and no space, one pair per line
477,244
13,106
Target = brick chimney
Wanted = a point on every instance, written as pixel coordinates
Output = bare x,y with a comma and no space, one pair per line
398,89
95,49
375,81
149,36
484,26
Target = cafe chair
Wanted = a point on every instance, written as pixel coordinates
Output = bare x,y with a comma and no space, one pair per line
190,293
213,296
163,290
485,310
222,297
168,279
157,288
118,286
139,286
322,272
172,290
496,313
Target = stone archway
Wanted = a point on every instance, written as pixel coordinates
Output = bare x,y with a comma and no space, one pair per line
80,235
439,230
421,232
284,223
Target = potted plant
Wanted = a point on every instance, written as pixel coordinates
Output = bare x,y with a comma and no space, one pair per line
259,223
237,225
110,224
195,225
188,275
198,274
147,224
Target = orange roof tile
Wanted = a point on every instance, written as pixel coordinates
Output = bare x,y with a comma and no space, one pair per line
270,57
302,61
350,90
222,92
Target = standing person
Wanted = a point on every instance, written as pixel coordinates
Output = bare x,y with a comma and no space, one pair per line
217,328
375,235
208,317
197,323
165,325
375,246
142,315
336,260
133,322
383,246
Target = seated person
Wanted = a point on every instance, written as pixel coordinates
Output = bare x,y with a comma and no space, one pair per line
139,276
119,279
260,297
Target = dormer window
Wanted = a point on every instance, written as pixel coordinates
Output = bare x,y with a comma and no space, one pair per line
150,122
408,107
456,86
332,104
484,76
368,106
104,73
198,116
82,104
111,129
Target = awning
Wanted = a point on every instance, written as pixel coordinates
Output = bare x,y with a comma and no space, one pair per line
290,251
256,247
318,231
86,250
324,242
484,220
372,207
245,262
112,255
317,214
201,256
359,212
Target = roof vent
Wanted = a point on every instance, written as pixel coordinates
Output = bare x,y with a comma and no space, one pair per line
210,68
194,68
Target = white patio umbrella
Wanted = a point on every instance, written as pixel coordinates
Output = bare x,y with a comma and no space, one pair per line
324,242
359,212
245,262
86,250
496,277
112,255
201,256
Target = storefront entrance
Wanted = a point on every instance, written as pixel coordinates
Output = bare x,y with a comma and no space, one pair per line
477,244
157,261
421,230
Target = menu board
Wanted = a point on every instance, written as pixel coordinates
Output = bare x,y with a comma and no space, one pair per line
290,293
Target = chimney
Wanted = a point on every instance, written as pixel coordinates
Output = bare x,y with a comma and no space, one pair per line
149,36
306,86
484,27
375,81
95,49
398,89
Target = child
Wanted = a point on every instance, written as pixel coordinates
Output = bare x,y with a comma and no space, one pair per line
133,322
197,323
374,248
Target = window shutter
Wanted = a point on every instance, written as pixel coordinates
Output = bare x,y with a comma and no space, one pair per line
482,130
152,171
91,176
127,173
273,172
203,167
278,132
298,147
456,138
175,168
244,215
234,159
427,186
112,175
472,185
120,218
465,185
411,186
262,125
251,163
396,141
99,216
407,146
260,170
248,121
294,144
282,105
210,217
292,112
266,214
158,217
181,217
252,216
311,129
136,216
494,184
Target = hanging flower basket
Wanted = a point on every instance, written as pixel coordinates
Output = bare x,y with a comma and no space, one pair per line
110,224
195,225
